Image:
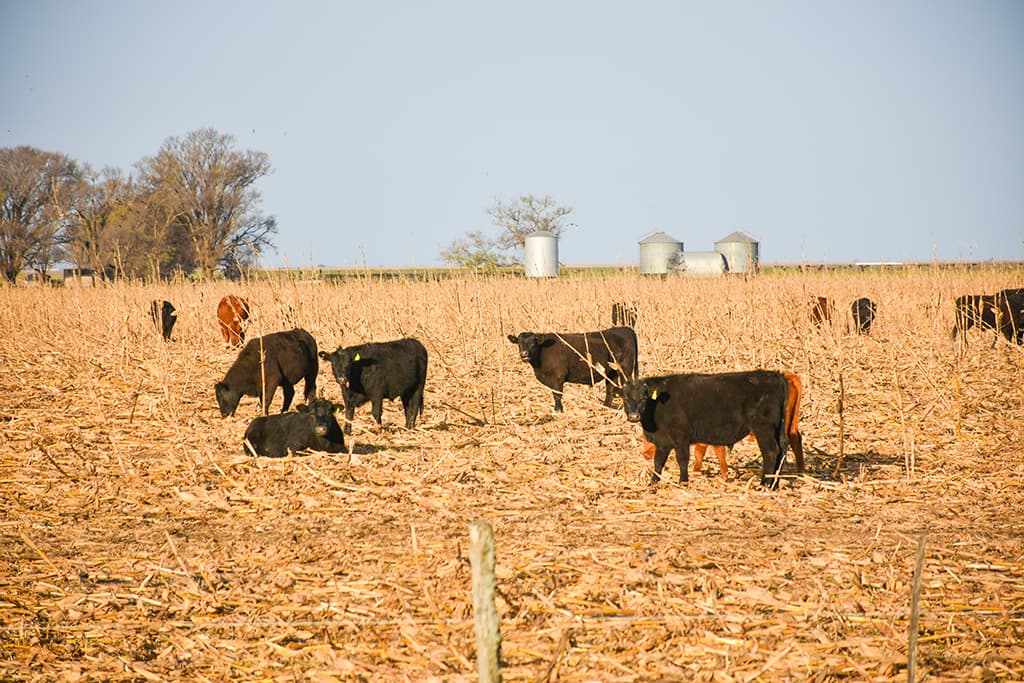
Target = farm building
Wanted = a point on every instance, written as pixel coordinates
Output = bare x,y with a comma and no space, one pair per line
704,264
541,254
740,251
660,253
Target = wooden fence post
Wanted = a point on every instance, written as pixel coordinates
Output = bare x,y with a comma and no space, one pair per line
488,631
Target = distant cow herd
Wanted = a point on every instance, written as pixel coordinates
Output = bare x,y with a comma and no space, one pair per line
675,411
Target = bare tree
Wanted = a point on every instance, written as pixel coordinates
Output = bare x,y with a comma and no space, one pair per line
526,215
35,189
206,190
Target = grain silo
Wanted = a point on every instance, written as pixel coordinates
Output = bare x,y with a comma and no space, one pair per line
659,254
541,254
704,264
740,251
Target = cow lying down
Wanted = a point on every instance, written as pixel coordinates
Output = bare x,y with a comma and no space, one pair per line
314,427
720,409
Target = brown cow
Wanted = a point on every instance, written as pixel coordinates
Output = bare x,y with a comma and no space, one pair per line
822,309
796,440
232,311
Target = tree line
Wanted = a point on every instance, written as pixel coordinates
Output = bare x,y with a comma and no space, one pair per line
192,208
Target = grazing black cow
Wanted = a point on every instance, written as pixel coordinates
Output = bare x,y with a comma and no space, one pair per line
373,372
286,358
624,314
580,358
1002,312
679,410
313,427
162,313
863,310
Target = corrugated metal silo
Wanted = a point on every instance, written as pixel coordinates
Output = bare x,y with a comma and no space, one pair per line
541,257
705,263
740,251
659,254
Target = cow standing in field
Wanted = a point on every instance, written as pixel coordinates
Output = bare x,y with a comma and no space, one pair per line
822,309
279,359
232,311
679,410
793,435
1002,312
863,311
164,316
624,314
373,372
580,358
314,427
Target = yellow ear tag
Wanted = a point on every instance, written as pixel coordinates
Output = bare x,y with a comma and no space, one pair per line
356,357
654,394
337,411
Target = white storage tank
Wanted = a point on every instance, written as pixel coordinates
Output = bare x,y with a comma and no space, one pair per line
541,254
660,254
740,251
704,264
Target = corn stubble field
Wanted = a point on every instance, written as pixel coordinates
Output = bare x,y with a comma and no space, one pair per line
138,542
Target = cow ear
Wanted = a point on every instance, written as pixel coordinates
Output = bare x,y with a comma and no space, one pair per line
338,408
302,408
324,355
549,341
514,339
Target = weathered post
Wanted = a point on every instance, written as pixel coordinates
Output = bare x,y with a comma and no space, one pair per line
488,631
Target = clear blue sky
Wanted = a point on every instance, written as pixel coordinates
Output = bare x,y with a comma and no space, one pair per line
830,130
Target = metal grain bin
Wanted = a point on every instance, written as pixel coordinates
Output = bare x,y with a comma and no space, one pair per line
541,258
659,254
704,264
740,251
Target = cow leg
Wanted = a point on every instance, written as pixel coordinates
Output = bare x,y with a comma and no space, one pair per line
309,390
557,393
609,391
720,452
698,456
683,460
772,457
660,457
377,408
413,404
796,441
350,411
289,394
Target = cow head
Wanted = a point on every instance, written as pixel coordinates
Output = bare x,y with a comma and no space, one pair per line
345,364
530,345
323,413
227,399
637,394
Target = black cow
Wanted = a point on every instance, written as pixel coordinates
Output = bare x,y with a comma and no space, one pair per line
863,310
679,410
162,313
313,427
624,314
286,358
373,372
1002,312
580,358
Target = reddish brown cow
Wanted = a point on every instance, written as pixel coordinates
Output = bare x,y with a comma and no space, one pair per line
822,309
232,311
796,440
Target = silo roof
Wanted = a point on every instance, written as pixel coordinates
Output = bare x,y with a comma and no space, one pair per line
738,236
659,237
